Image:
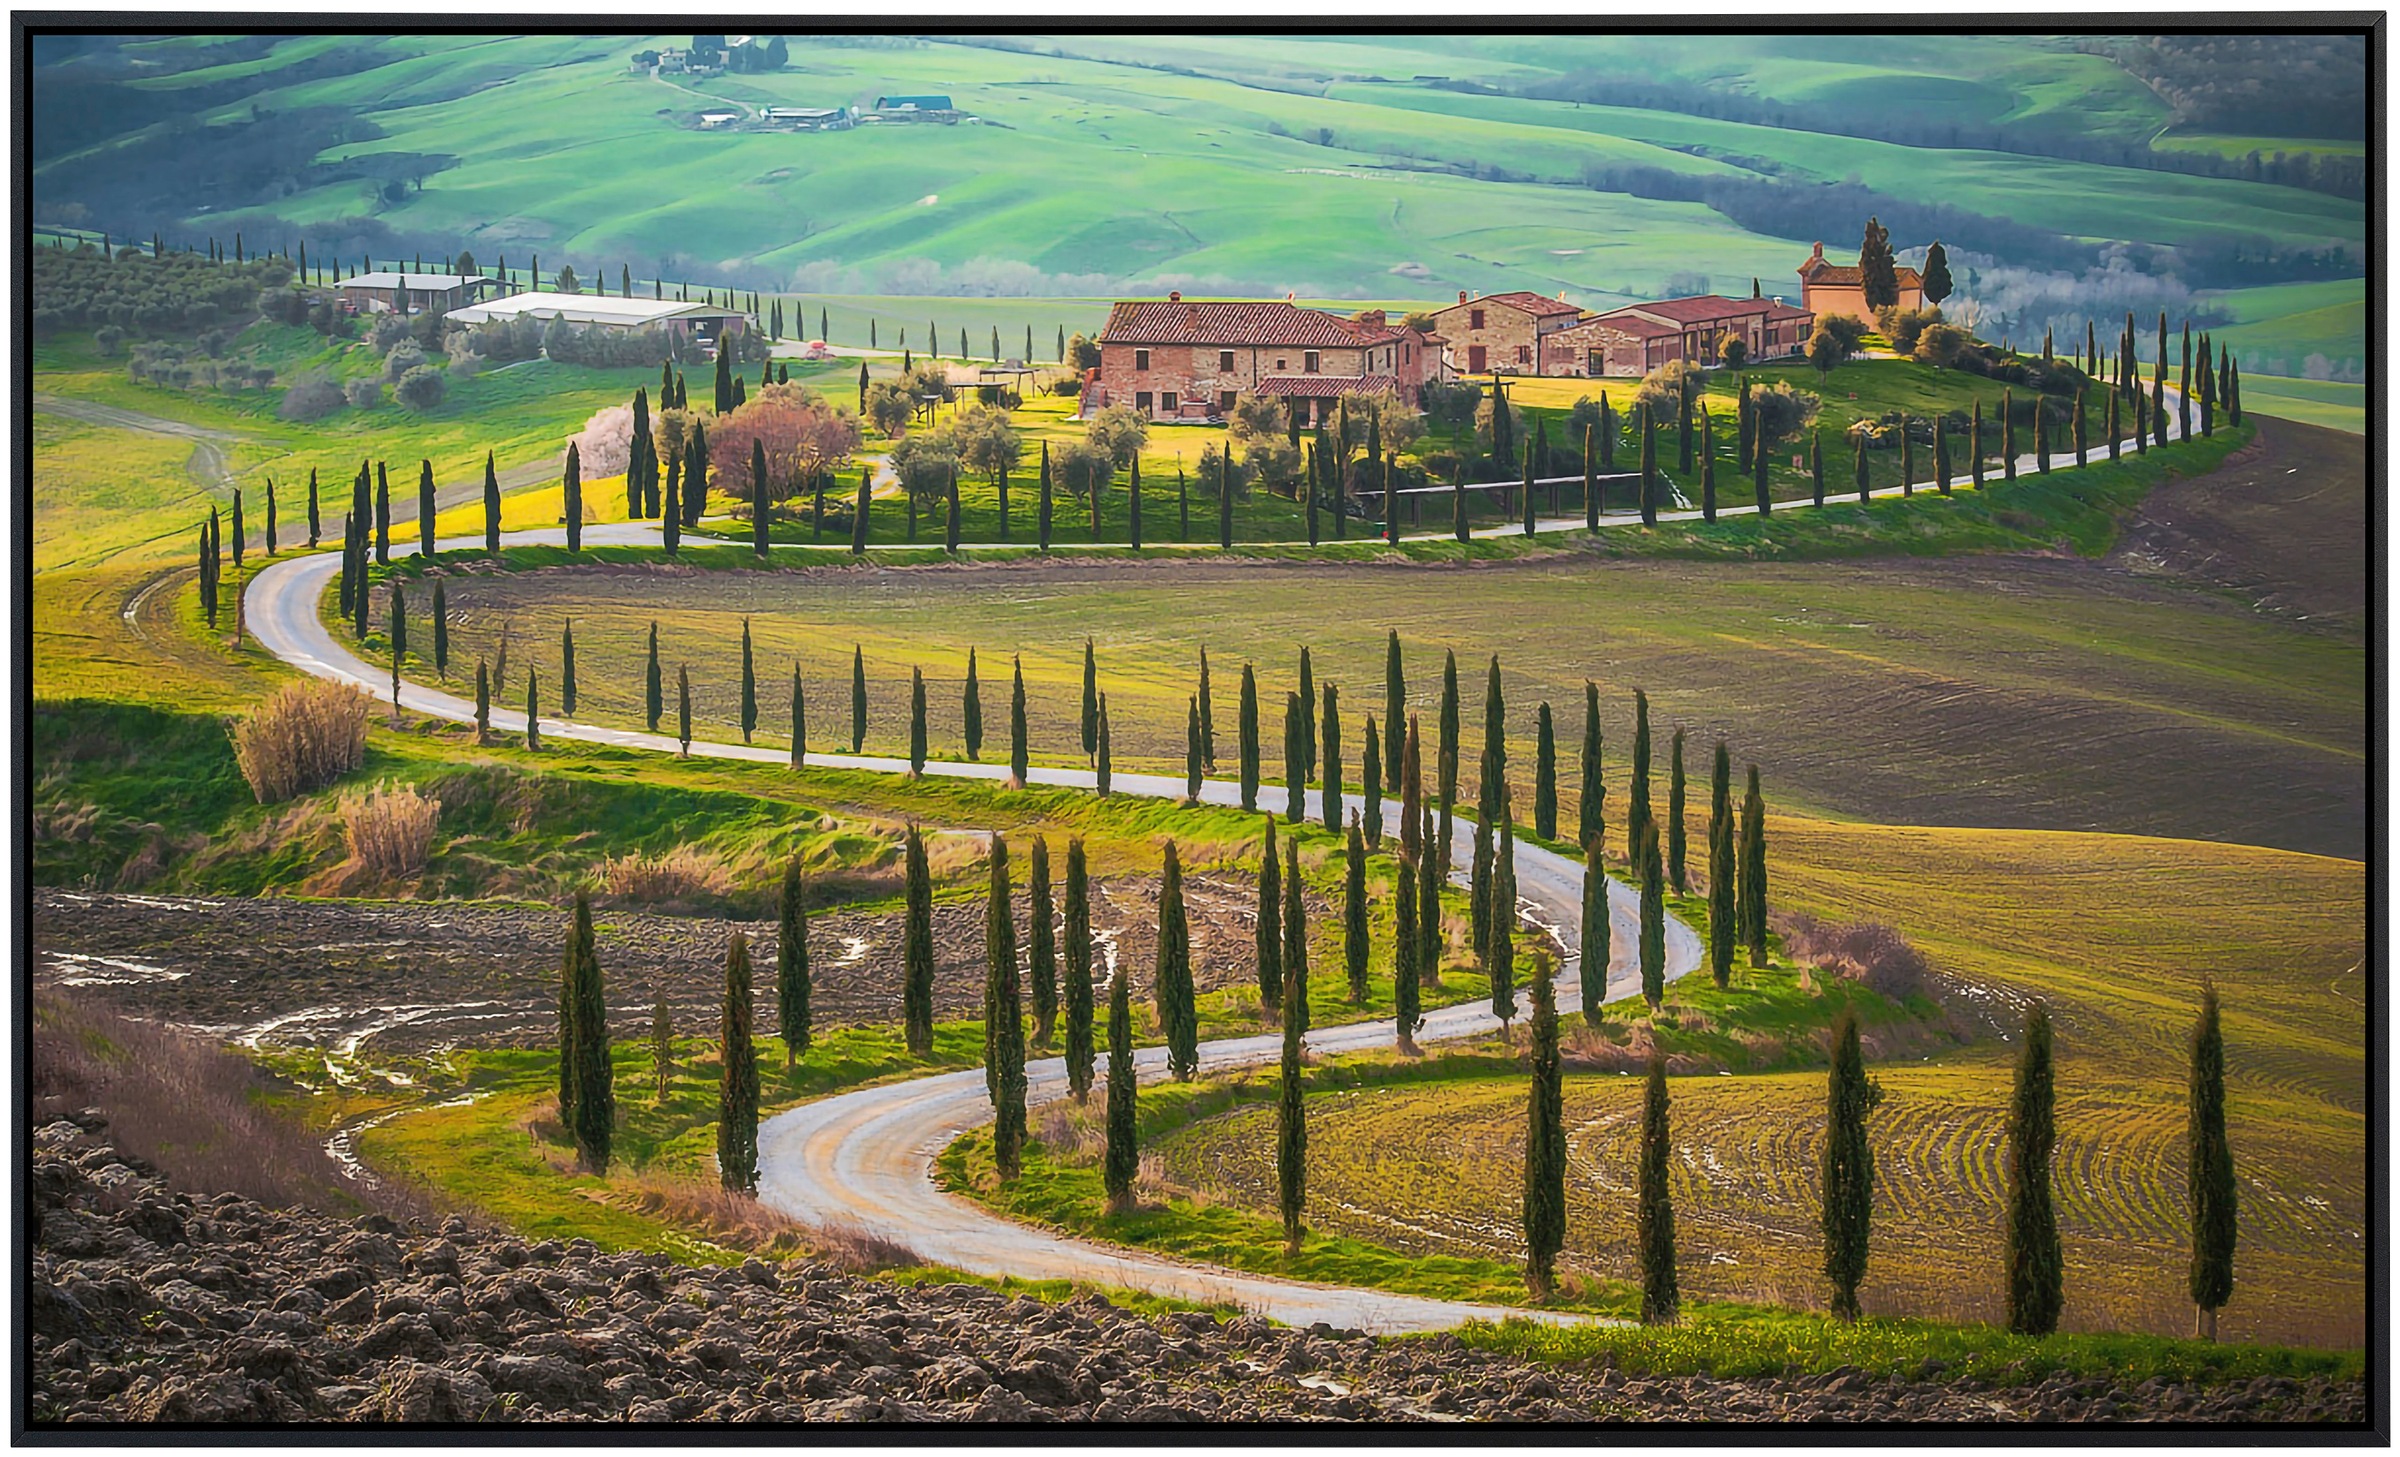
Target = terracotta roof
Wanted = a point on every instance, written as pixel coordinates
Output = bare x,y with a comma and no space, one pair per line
1782,310
1700,308
1524,302
1622,323
1837,275
1318,386
1250,322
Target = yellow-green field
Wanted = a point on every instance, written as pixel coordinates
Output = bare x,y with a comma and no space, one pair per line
2115,934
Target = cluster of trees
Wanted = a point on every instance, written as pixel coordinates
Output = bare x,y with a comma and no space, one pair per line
139,290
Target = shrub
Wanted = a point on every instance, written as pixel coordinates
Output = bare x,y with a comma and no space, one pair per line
1120,432
404,356
387,330
312,398
686,873
1867,952
1081,467
389,831
1782,412
305,737
109,340
363,394
925,463
1069,387
1664,389
605,443
800,431
465,363
1905,328
422,388
1940,344
1450,405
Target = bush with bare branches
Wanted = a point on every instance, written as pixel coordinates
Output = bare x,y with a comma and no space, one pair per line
1867,952
685,873
308,735
389,831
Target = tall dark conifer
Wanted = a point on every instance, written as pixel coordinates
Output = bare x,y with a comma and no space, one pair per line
1395,707
1849,1167
1724,918
1654,917
1268,938
1329,796
1177,1017
916,977
749,685
1019,749
1248,730
737,1079
2036,1270
1003,1019
2209,1173
1545,1215
972,709
1291,1111
1595,950
1124,1155
654,701
1354,912
1041,946
1592,793
1545,775
1076,928
1751,872
1654,1208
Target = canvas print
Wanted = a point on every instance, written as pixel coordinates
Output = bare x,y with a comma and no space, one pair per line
1270,724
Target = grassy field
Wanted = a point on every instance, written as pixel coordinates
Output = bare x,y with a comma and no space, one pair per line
2276,328
1995,692
2329,403
1312,164
2117,946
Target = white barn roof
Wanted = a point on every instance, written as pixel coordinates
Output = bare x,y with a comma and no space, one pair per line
586,308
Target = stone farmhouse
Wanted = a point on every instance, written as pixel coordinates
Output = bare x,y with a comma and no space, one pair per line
414,293
1187,360
702,324
1640,337
1501,331
1832,288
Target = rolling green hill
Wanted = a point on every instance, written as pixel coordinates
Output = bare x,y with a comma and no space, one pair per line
1332,166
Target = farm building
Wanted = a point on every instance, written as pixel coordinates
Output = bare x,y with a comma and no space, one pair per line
809,118
1501,332
414,293
1178,360
1832,288
1640,337
915,108
702,324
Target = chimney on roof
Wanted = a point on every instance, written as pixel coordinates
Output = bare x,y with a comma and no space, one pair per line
1372,318
1175,296
1462,295
1819,255
1289,297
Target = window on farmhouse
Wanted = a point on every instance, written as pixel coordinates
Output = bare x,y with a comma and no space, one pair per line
1141,359
1225,400
1474,318
1524,353
1141,399
1283,364
1308,362
1166,402
1224,359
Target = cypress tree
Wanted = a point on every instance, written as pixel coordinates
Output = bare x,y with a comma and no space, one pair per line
1479,890
683,709
483,702
1637,814
2210,1171
1675,825
1018,747
1593,970
1101,772
1091,703
1308,726
1545,775
1816,468
916,978
1432,868
1191,752
1975,447
533,715
271,521
799,720
1249,739
1354,912
1041,946
595,1118
1908,460
1003,1020
1370,784
724,391
2036,1269
1395,707
916,722
1858,471
383,514
1649,465
859,511
1591,484
2115,428
1078,928
1500,960
573,509
1545,1141
240,536
791,968
759,508
441,641
1268,938
2008,434
208,580
858,697
315,524
425,511
1686,396
1407,937
695,476
670,524
1592,797
737,1081
398,616
1723,917
1123,1158
950,525
1295,931
1751,872
566,654
974,709
749,686
2142,413
1446,764
654,699
1849,1172
1330,796
1176,1016
1708,466
1654,1210
1291,1115
2082,429
1295,758
1941,454
1654,919
1208,717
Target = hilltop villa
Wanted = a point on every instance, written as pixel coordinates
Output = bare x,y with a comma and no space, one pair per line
1178,360
1833,288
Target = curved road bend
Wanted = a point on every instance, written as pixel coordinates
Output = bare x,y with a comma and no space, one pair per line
864,1159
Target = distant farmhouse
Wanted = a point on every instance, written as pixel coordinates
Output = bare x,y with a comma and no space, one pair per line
1181,360
414,293
915,108
1831,288
810,118
700,324
1525,333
